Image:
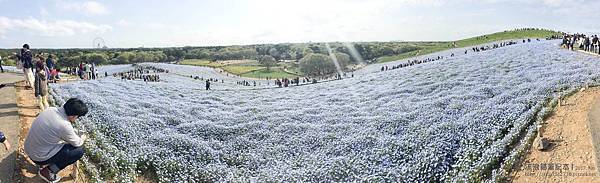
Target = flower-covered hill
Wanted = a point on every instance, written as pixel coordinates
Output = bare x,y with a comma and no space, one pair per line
454,119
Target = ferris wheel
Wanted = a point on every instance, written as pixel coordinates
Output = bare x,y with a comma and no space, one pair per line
99,43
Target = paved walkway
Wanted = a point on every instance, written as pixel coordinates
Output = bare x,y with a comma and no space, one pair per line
9,125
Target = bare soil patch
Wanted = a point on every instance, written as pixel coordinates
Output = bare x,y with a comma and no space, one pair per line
571,156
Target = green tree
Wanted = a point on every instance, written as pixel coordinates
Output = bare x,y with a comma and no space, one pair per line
267,61
125,57
317,64
273,52
343,59
97,58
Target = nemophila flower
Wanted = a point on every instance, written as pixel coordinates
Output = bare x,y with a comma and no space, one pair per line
451,120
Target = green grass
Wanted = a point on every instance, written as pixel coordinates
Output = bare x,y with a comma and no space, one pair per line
295,70
249,63
241,69
427,48
273,73
205,63
247,69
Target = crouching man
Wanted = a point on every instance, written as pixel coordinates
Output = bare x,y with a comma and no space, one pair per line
52,141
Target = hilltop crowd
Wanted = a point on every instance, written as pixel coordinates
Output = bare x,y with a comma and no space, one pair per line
472,49
285,82
582,42
411,63
141,73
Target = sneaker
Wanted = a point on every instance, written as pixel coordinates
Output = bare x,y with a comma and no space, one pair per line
48,176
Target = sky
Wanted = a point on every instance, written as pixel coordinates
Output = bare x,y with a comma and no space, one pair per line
175,23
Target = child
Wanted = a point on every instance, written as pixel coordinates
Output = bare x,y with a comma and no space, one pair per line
54,75
41,85
4,141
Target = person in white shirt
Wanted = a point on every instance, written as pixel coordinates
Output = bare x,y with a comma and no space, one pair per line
52,141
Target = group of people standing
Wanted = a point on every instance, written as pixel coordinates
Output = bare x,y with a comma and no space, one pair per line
141,73
37,72
246,83
285,82
582,42
86,71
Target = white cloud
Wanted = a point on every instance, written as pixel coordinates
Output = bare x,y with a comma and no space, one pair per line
573,8
123,23
553,3
423,2
85,7
44,12
289,21
49,28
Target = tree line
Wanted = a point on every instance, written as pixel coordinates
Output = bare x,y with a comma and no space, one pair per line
313,58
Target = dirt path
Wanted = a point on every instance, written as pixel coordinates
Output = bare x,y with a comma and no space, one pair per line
571,156
28,111
594,122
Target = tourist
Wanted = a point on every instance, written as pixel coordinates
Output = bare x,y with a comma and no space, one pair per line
50,66
1,64
81,73
52,141
572,43
26,58
93,70
41,84
565,42
88,71
4,141
55,75
207,84
595,43
598,45
50,62
586,43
